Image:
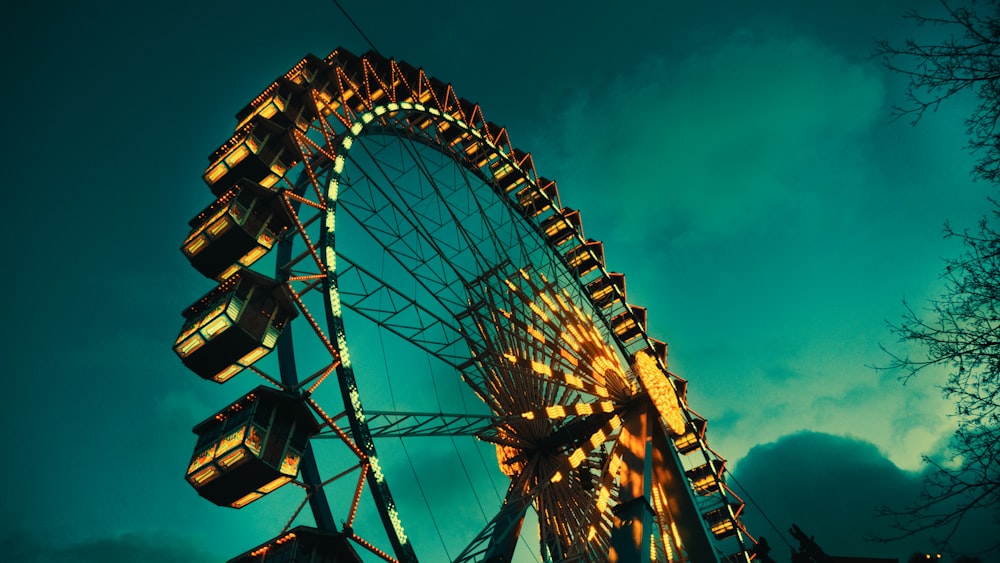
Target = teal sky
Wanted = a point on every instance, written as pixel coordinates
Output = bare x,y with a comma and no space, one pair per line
737,159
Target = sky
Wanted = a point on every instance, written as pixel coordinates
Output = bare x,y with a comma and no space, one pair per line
738,160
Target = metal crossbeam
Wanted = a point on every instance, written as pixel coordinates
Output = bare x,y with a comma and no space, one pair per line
388,424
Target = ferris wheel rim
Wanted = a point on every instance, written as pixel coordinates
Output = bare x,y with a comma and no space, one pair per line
353,401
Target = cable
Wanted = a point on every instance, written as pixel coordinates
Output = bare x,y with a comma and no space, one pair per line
356,26
381,343
759,509
468,478
427,503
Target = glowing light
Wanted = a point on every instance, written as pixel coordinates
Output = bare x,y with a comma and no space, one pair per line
246,500
397,525
202,458
538,311
605,494
204,476
270,180
537,334
573,380
253,356
231,440
356,404
273,485
271,337
253,440
234,308
255,254
557,411
686,442
548,302
376,469
218,325
661,392
569,357
227,373
238,154
195,244
290,464
541,369
214,173
190,345
233,458
675,533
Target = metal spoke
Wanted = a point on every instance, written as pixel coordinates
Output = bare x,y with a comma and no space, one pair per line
387,424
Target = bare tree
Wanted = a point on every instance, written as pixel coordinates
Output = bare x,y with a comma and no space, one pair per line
960,331
966,59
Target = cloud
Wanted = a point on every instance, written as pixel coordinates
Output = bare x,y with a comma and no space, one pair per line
759,129
831,487
124,548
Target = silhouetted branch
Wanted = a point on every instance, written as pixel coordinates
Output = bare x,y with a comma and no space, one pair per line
966,60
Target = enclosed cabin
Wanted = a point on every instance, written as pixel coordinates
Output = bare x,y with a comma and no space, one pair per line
380,79
302,544
474,150
606,290
533,201
693,437
234,325
490,156
561,226
629,324
236,230
335,93
487,155
722,521
284,102
251,447
261,151
585,257
421,120
707,478
451,134
659,351
517,181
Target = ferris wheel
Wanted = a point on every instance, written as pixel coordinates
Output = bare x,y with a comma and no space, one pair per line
360,200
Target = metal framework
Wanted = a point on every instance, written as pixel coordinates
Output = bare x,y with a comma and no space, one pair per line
395,210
